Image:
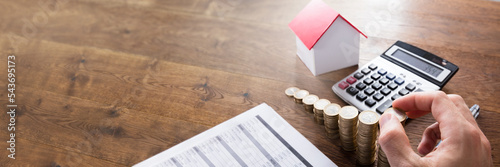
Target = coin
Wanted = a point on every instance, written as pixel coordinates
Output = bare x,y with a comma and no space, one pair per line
299,95
400,115
367,137
291,90
320,105
348,127
331,110
318,110
308,101
368,117
348,112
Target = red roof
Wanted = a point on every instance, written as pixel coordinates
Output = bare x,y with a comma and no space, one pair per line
313,21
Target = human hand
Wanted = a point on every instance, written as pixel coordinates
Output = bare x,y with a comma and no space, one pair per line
463,143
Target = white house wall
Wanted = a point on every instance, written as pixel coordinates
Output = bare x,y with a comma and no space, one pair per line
306,55
338,47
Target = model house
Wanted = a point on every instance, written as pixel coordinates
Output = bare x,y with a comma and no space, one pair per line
326,41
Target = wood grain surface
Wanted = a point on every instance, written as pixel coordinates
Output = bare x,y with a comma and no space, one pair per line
111,83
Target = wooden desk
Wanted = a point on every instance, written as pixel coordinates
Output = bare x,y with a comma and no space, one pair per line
111,83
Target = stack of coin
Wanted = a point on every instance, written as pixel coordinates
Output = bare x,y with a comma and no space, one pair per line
382,158
291,90
318,110
366,137
348,127
331,116
309,101
299,95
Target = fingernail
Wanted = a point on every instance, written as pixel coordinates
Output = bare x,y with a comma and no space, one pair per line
385,118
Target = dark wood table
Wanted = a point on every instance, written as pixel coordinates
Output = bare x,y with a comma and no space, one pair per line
112,83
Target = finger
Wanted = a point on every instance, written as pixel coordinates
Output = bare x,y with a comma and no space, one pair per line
443,109
429,139
394,141
414,114
462,108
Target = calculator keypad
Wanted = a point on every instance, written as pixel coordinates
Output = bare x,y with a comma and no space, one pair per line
381,87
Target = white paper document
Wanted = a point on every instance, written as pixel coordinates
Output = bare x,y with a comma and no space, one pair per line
257,137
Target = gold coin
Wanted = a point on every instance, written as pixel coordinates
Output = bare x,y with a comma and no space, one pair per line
348,112
291,90
400,115
320,104
310,99
299,95
368,117
331,109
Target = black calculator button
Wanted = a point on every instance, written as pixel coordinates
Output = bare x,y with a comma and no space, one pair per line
365,71
384,106
378,96
396,96
410,87
385,91
376,86
390,76
403,92
370,102
352,91
392,86
358,75
399,81
369,91
382,72
368,81
372,66
375,76
361,97
384,81
361,86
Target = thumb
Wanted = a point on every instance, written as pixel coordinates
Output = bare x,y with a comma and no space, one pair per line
395,143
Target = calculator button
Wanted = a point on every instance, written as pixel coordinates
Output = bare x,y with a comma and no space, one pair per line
399,81
403,92
375,76
396,96
370,102
372,66
369,91
392,86
361,86
390,76
351,80
352,91
358,75
382,72
378,96
376,86
410,87
368,81
343,85
385,91
384,81
361,97
365,71
384,106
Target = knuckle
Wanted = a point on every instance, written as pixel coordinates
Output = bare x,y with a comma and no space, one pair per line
440,94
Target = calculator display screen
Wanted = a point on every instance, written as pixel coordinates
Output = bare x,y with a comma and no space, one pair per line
417,63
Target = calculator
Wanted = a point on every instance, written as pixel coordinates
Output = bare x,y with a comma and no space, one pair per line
399,71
